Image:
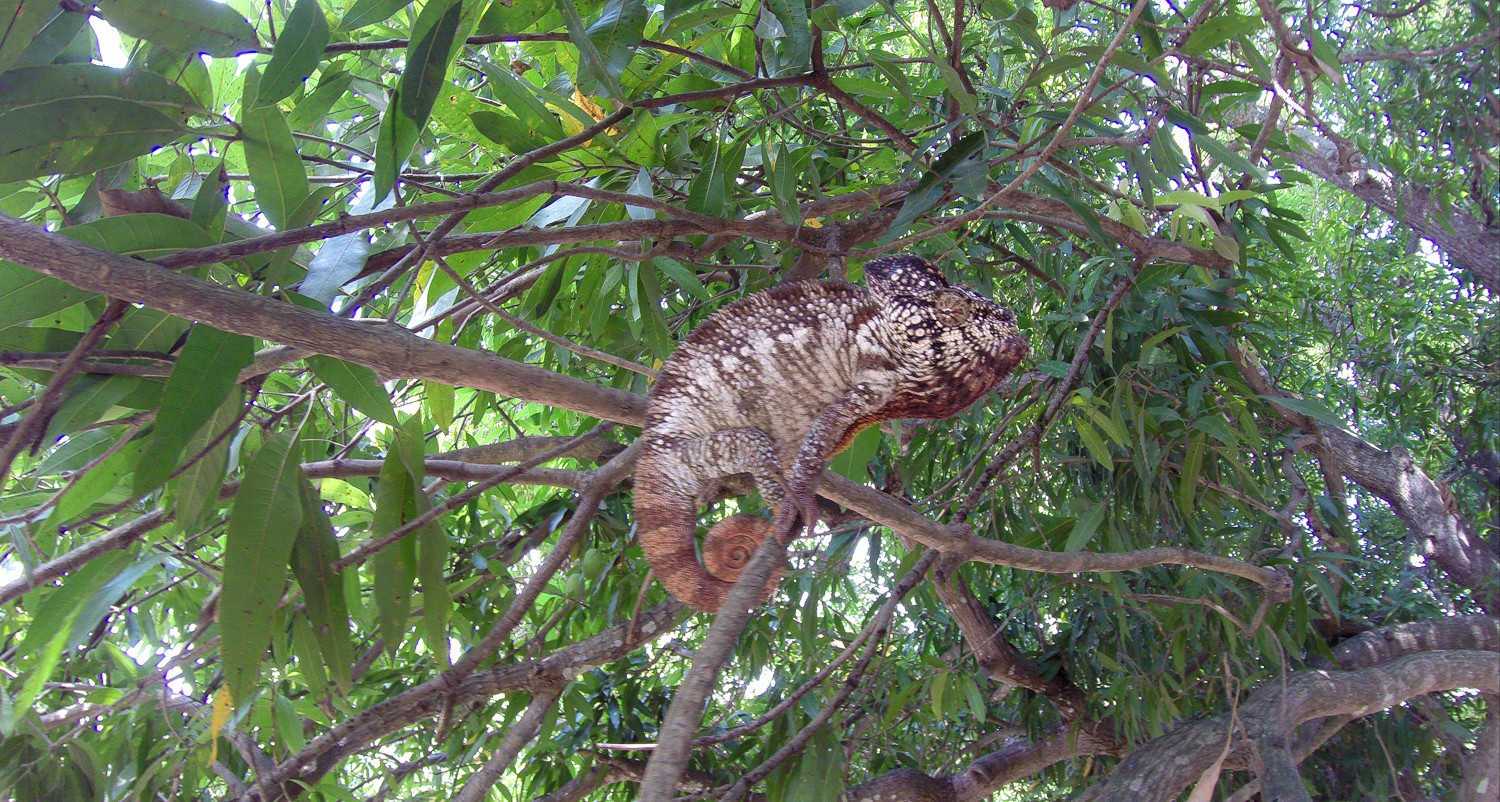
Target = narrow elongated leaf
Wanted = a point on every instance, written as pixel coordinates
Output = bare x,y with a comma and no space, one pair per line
931,187
398,499
310,111
618,31
820,769
852,462
432,571
275,168
89,397
197,487
30,86
22,20
356,384
185,26
1085,527
145,235
1216,30
1192,465
427,58
298,52
93,486
339,260
205,372
79,135
594,77
27,295
393,144
263,525
323,589
520,99
1312,408
369,12
53,623
439,403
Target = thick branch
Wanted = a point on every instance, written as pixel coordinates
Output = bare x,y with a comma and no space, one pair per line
391,350
1162,769
1392,475
1466,241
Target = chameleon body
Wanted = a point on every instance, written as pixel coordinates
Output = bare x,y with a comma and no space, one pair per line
777,383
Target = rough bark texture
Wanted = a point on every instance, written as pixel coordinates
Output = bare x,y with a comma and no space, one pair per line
1424,506
1165,767
1463,238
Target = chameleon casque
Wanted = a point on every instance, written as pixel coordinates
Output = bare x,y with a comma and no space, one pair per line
777,383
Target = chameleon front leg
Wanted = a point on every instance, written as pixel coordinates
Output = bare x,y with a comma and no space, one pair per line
862,403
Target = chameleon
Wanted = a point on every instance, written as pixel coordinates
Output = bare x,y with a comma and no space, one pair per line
777,383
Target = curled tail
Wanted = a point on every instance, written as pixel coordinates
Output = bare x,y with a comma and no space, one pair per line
665,522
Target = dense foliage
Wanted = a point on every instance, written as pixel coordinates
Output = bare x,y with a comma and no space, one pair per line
325,492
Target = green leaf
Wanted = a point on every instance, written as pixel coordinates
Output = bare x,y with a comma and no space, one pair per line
79,135
685,278
20,22
520,99
1095,444
30,86
145,235
955,86
594,76
932,186
356,384
1219,151
298,52
797,47
507,130
439,398
394,142
211,202
820,768
58,41
1192,466
184,26
206,370
432,571
369,12
853,461
617,32
310,111
27,295
89,397
398,499
1085,527
1309,407
263,526
197,488
977,707
78,451
428,55
275,168
95,486
1217,29
313,556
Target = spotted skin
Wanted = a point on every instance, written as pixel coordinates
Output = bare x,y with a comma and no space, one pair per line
777,383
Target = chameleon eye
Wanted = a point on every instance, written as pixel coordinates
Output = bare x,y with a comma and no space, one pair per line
953,308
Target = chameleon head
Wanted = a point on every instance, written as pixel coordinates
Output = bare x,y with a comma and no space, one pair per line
954,343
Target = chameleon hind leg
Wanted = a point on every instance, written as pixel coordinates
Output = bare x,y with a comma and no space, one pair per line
750,450
711,457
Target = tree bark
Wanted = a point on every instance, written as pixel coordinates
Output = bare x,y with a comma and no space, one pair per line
1463,238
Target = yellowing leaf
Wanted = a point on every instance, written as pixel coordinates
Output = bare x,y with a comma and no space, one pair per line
223,706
